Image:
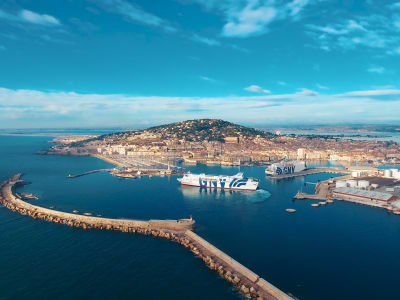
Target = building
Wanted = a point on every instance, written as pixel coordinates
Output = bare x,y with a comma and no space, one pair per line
348,193
301,153
231,140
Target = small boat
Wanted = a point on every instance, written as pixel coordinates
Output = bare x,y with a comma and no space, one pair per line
315,204
290,210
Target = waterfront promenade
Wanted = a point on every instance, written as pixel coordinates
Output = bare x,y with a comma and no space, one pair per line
246,282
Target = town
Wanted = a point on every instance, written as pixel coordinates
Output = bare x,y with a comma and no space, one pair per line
217,142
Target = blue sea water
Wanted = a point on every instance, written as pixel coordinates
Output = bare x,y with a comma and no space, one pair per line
340,251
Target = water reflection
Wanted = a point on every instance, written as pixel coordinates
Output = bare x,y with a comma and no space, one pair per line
206,194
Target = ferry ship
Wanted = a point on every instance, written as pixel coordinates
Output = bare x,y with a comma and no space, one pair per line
236,182
286,167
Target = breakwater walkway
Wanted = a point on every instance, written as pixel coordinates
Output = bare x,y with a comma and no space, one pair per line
180,231
89,172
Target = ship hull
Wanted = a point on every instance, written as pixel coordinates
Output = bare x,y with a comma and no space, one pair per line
220,188
237,182
285,168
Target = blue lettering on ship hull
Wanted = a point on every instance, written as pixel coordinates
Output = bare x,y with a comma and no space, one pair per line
285,170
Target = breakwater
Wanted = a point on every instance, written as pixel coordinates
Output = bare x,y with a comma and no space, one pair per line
246,281
89,172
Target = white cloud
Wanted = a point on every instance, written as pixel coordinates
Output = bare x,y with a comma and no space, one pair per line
370,93
27,16
32,17
322,87
328,29
252,20
376,69
136,14
30,108
205,78
372,31
307,92
204,40
296,6
252,17
257,89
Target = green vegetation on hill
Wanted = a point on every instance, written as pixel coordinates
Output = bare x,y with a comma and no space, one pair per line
206,130
191,130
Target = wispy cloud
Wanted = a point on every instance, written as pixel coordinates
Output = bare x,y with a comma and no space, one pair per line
134,13
375,92
322,87
370,31
307,92
253,17
376,69
205,40
205,78
27,16
42,19
257,89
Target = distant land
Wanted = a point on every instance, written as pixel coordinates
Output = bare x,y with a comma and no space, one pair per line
219,142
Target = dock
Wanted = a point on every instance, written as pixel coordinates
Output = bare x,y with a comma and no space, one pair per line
321,192
244,280
310,172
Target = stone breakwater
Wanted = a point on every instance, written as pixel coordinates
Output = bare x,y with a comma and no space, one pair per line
245,281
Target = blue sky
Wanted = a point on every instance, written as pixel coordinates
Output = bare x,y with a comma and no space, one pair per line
78,63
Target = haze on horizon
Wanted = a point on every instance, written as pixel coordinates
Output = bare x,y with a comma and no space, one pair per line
125,63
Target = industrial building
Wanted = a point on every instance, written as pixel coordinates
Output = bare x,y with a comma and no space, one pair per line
363,195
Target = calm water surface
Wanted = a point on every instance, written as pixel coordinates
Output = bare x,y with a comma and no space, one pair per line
341,251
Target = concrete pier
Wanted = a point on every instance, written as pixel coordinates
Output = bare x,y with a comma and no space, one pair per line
90,172
246,282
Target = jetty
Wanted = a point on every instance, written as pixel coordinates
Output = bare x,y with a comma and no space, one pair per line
310,172
90,172
245,281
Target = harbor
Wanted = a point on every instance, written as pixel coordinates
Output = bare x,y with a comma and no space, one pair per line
245,281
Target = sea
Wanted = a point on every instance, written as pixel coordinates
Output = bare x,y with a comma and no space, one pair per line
339,251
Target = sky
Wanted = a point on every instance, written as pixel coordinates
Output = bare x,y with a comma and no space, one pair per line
136,63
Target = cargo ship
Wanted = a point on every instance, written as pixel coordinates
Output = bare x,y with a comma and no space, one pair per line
286,167
236,182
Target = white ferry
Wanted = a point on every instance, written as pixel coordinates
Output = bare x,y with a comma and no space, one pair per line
236,182
286,167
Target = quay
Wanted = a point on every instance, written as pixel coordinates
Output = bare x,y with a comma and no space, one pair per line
312,171
325,191
245,281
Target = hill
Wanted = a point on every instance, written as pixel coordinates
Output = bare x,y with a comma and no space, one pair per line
205,130
191,130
